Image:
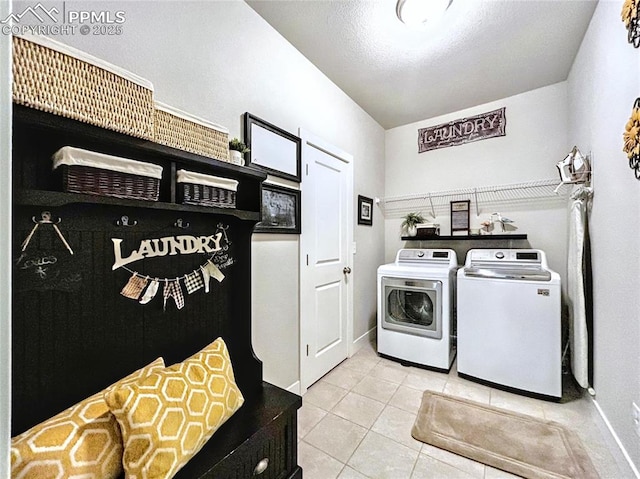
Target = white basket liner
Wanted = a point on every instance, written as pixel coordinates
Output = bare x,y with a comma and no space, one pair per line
87,58
184,176
189,117
69,155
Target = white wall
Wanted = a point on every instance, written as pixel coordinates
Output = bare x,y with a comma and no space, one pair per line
5,250
536,139
276,306
603,85
218,60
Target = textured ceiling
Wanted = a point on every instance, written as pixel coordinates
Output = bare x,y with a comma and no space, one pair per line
479,51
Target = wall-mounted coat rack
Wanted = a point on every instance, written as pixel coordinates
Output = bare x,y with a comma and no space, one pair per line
438,202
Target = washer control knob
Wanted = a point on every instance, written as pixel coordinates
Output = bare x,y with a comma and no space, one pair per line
499,255
420,254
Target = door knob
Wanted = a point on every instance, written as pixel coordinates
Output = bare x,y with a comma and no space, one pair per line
346,270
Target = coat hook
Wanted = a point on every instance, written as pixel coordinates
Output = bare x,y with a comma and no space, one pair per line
45,218
125,221
181,224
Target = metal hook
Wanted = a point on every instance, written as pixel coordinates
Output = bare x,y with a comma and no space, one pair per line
224,229
181,224
46,219
125,221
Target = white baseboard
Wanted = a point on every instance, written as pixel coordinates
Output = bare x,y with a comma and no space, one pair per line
362,341
294,388
633,467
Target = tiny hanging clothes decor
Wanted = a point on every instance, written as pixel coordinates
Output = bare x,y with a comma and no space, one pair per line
151,291
134,287
173,290
143,288
193,281
210,270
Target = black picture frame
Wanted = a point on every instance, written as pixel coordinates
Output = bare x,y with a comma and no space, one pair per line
460,211
365,211
280,210
272,149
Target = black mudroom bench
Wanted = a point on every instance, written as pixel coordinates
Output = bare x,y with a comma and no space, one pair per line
71,339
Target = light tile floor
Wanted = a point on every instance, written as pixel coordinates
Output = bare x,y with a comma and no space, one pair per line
355,423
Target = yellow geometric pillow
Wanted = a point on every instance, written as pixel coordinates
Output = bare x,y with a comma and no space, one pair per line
82,441
168,416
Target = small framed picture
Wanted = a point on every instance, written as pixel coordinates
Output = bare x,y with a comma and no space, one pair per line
280,210
460,217
365,210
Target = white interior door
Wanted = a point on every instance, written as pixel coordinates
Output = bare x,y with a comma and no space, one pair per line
325,271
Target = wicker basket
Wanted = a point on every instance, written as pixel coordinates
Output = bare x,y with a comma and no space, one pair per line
58,79
204,190
185,132
94,173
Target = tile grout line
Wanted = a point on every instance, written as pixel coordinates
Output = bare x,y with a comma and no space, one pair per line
368,429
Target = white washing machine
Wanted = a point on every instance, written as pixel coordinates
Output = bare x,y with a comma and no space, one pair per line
509,323
416,299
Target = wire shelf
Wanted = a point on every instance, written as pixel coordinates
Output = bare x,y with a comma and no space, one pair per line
437,202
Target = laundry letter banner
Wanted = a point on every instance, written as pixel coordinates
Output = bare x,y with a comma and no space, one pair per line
466,130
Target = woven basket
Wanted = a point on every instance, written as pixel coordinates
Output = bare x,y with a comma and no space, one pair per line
96,181
185,132
93,173
204,190
203,195
58,79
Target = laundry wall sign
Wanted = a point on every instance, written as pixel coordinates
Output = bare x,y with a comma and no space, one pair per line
143,287
466,130
167,246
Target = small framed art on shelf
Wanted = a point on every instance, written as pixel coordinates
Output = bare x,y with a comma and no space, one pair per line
280,210
460,217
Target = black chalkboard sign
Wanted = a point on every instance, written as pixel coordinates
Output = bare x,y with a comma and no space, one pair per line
48,269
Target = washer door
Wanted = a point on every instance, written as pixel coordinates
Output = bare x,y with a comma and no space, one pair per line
413,306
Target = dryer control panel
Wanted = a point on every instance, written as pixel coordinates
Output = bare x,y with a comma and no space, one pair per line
421,256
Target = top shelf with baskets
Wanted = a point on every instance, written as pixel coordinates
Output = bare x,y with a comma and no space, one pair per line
37,135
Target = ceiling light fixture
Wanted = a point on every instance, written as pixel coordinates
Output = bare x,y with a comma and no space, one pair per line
416,12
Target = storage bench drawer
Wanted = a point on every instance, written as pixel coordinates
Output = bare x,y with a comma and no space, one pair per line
268,454
240,450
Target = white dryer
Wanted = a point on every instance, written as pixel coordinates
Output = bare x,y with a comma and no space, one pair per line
416,298
509,323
